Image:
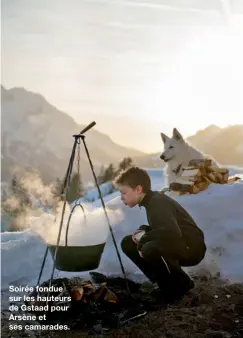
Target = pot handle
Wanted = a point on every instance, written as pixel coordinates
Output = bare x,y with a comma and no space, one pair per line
70,216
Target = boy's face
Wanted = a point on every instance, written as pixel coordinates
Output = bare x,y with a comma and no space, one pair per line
131,196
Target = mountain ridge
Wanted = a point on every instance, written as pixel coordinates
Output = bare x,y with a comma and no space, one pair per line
223,144
37,134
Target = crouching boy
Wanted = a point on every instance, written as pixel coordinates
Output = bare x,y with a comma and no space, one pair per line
171,239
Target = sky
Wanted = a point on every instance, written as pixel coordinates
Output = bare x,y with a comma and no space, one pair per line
136,67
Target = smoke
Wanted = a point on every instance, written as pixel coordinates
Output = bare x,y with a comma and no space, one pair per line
78,228
35,207
39,192
27,196
12,203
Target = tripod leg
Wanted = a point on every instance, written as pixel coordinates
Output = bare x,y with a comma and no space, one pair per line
42,266
65,189
107,218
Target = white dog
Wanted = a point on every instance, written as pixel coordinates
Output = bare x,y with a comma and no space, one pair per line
177,154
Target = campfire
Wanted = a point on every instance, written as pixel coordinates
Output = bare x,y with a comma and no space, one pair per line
87,293
83,304
211,308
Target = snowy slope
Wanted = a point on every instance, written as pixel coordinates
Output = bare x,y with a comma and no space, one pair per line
218,211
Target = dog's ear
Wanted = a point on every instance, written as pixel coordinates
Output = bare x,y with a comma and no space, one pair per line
164,137
177,135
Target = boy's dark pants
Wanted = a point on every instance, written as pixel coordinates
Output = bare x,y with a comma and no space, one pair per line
162,261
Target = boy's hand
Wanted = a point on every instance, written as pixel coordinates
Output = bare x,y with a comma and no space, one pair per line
140,254
136,239
134,236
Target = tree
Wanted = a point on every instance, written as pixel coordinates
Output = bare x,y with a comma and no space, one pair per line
109,173
76,189
57,189
16,203
125,163
100,177
20,192
14,184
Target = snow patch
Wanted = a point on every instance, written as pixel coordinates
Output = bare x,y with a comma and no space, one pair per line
217,210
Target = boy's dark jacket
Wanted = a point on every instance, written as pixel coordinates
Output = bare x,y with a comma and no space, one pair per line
168,219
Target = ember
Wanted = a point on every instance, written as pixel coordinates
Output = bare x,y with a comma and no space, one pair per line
84,304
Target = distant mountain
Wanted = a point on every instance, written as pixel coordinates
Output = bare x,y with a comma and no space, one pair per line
224,144
38,135
204,137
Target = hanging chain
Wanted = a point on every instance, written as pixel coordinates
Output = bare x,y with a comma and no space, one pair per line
78,168
78,157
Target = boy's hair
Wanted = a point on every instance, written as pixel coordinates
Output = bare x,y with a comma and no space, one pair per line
134,176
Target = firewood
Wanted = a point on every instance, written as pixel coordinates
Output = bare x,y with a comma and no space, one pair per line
100,292
190,168
88,287
201,162
197,176
110,297
88,284
191,174
202,185
206,179
226,177
199,179
208,162
217,170
195,190
221,170
212,177
182,185
209,170
203,171
189,178
77,292
215,177
219,177
182,181
174,193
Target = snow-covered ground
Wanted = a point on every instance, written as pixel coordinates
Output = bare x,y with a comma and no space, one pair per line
217,210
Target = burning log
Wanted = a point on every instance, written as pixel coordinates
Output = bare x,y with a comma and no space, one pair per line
110,297
86,292
85,303
77,293
100,292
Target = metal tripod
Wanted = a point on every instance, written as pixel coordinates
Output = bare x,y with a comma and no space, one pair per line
64,193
